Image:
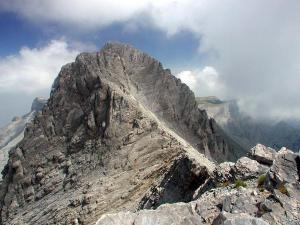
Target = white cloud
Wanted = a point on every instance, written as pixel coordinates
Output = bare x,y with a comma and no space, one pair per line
202,82
189,78
88,14
256,43
32,70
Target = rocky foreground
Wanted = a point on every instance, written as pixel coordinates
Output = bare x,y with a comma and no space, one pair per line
259,190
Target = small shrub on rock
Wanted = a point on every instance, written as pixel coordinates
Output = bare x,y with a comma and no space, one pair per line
240,183
283,189
261,180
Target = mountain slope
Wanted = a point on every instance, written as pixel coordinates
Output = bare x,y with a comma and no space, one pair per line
116,126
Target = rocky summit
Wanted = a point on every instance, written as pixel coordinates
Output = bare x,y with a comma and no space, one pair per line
122,141
119,132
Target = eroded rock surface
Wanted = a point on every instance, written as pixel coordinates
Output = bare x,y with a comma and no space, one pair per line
118,128
257,202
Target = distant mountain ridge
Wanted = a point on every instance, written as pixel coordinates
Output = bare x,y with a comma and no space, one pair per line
247,130
13,133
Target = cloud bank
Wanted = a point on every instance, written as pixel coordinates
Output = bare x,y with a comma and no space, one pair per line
32,70
205,81
88,14
254,44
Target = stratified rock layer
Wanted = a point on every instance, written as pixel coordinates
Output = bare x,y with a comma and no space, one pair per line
116,127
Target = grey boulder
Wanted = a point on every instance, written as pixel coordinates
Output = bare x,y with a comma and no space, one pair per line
168,214
285,169
262,154
246,168
225,218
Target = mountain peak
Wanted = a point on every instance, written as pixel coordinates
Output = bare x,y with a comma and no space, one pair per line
116,126
129,53
117,45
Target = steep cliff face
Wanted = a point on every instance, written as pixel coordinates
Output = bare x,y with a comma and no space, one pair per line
114,128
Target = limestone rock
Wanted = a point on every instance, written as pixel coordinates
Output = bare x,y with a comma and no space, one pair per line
176,214
227,204
284,150
285,169
224,172
246,168
262,154
178,185
119,132
123,140
236,219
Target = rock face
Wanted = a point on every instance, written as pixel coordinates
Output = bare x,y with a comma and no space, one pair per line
248,131
270,198
13,133
119,132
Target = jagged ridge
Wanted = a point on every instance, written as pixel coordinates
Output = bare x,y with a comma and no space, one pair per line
115,124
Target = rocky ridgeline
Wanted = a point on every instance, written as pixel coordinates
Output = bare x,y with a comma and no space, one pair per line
260,190
118,132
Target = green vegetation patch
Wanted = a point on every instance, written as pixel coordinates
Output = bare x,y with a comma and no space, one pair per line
283,189
261,180
240,183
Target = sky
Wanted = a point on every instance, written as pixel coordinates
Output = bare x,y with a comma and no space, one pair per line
244,50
